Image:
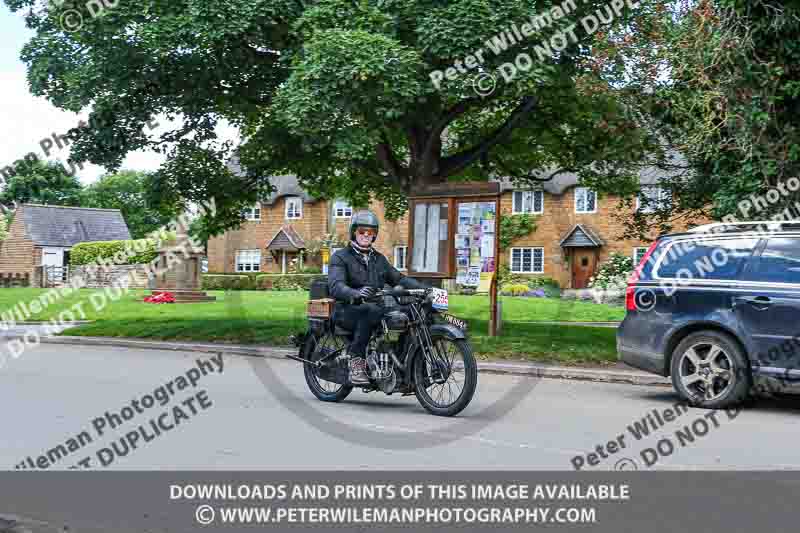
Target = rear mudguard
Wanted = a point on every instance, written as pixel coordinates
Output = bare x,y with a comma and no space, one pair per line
328,370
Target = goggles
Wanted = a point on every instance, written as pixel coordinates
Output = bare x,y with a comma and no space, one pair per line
366,231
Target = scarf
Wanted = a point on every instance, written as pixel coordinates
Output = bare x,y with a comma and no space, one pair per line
363,253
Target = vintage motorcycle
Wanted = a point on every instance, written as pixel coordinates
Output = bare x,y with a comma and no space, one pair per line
417,349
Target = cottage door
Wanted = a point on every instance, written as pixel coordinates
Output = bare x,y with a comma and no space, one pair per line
54,265
584,261
53,257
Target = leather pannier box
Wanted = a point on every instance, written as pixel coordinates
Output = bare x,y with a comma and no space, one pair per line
322,308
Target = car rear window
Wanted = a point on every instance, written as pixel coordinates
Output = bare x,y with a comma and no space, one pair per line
778,263
713,259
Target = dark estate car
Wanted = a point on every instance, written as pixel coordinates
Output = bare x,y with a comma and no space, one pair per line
718,310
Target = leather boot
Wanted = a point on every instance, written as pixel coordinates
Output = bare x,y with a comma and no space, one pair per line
358,371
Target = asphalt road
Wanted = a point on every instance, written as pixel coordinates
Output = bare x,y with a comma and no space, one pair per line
259,414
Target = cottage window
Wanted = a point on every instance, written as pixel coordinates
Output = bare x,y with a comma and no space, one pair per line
248,260
653,198
527,260
342,209
638,254
585,200
252,213
294,207
528,202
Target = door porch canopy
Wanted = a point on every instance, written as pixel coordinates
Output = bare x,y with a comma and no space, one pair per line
581,236
286,240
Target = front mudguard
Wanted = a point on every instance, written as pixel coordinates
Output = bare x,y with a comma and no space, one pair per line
448,331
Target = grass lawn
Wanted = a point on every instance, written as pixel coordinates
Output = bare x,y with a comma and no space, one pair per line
267,317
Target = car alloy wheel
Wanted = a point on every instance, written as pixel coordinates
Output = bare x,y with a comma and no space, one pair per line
707,371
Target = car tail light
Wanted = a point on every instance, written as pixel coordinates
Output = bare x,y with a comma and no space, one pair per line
630,290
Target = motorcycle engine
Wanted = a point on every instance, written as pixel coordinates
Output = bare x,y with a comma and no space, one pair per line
381,366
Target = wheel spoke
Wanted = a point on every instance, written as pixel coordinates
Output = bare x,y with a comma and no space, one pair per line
691,379
714,353
447,355
321,348
725,374
715,366
709,390
692,356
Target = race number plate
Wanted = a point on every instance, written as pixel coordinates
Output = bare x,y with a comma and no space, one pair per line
439,299
457,322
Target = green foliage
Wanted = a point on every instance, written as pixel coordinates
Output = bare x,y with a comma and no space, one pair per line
504,275
336,92
514,289
128,191
289,282
614,273
514,227
728,103
518,285
536,283
3,226
37,182
331,240
132,252
228,282
275,282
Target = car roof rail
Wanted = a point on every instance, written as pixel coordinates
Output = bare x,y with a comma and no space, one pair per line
721,227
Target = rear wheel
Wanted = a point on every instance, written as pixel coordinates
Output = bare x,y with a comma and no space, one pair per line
447,389
316,348
709,369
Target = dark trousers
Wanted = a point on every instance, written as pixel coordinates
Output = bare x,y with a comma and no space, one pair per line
361,320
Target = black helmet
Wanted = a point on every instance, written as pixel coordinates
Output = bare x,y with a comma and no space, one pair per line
364,218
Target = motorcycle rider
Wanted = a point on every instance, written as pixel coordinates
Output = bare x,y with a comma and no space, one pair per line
355,274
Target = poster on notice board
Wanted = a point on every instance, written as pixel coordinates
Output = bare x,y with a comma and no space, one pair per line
475,242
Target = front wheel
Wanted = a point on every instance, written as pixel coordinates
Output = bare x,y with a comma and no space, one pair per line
447,389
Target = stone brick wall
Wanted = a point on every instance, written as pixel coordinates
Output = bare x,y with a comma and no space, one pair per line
99,278
18,254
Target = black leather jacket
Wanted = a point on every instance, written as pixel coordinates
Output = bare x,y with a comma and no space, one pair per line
348,272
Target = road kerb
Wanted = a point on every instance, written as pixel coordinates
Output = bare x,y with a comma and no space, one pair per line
492,367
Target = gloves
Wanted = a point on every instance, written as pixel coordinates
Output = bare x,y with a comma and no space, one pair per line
357,295
367,292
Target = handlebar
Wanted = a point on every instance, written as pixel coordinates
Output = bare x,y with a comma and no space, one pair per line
398,293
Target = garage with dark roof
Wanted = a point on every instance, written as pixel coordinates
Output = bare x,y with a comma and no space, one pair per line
44,234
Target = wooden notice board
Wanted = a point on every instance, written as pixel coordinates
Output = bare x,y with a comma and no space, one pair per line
454,234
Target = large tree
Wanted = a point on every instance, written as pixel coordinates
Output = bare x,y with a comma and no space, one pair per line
729,102
41,182
130,192
339,92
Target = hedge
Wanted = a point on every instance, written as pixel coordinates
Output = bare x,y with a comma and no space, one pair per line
133,252
212,282
249,282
